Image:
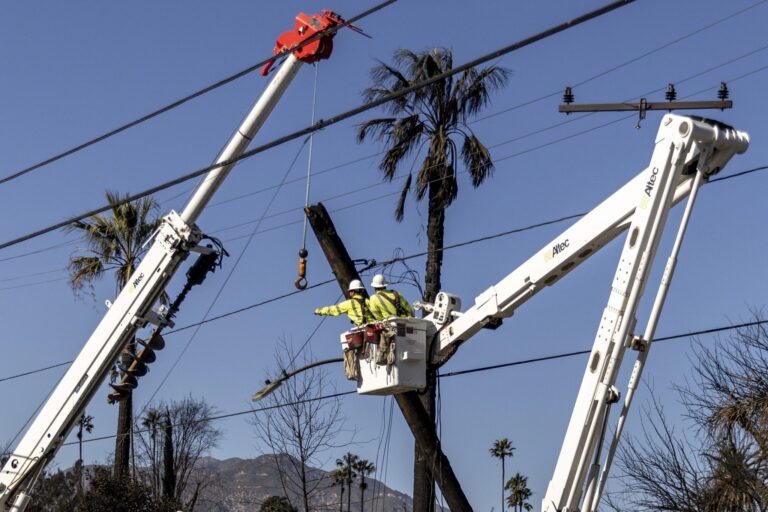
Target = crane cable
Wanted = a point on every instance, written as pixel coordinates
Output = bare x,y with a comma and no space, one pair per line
301,281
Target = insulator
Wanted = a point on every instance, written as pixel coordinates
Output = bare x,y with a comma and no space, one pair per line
568,96
671,94
723,92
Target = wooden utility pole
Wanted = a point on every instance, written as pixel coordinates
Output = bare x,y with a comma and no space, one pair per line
422,428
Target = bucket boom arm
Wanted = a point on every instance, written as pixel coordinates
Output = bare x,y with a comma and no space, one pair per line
688,151
309,41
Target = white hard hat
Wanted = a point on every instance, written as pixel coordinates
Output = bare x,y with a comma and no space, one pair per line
355,284
379,281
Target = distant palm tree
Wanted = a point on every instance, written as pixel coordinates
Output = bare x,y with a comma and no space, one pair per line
339,477
363,468
115,243
85,423
435,118
519,493
348,461
151,422
501,449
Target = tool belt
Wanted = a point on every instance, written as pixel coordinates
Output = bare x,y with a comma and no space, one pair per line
359,345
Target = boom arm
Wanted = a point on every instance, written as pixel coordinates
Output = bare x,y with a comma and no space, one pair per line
576,244
688,151
132,309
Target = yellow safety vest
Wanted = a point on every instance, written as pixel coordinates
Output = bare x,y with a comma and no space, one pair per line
387,303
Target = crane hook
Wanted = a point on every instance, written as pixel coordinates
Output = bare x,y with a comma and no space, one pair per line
301,281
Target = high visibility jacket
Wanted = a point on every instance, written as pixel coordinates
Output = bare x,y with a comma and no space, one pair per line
387,303
357,309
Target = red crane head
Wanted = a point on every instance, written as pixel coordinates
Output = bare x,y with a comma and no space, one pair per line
318,29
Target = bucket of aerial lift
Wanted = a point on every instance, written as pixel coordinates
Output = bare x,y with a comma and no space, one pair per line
405,368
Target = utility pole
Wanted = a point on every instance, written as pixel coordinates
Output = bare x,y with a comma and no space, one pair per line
422,428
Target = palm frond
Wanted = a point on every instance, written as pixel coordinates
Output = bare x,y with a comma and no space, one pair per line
400,209
477,159
375,128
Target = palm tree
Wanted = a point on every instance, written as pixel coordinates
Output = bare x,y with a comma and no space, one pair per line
339,477
434,117
501,449
519,493
151,422
348,461
115,243
363,468
85,423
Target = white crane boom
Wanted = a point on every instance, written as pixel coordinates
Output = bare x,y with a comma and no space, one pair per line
688,150
309,41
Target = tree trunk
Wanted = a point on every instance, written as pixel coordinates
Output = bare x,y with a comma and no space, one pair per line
362,492
124,422
423,480
341,499
169,474
304,490
502,484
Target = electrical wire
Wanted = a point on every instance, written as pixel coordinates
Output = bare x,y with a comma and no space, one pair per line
344,164
386,263
625,63
324,123
196,94
516,106
225,283
224,416
394,260
569,120
443,375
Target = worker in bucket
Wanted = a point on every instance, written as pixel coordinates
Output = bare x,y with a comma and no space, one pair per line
357,307
386,303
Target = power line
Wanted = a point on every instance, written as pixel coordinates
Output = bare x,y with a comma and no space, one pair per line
584,352
442,375
569,120
223,416
229,275
196,94
32,372
344,164
519,137
625,63
324,123
390,262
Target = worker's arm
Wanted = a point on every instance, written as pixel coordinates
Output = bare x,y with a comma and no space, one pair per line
335,310
406,305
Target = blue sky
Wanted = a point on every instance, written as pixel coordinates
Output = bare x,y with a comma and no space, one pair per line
74,70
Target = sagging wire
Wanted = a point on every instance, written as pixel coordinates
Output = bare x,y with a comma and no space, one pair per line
408,276
301,281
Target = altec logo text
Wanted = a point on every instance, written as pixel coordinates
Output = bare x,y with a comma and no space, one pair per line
138,280
651,182
558,248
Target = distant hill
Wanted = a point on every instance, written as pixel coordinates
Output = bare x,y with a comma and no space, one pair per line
241,485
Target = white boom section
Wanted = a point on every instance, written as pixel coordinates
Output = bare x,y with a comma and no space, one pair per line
568,250
172,243
687,151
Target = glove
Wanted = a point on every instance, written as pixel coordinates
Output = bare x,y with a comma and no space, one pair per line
317,311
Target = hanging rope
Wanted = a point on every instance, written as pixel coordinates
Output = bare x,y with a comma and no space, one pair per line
301,281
